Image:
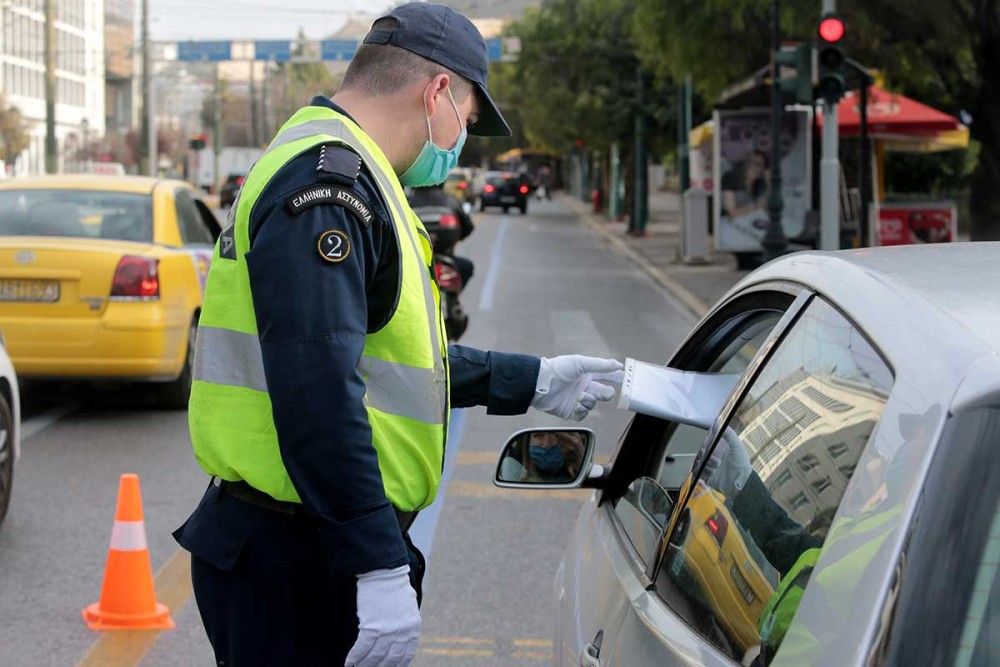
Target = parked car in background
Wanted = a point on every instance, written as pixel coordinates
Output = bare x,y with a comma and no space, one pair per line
230,188
838,507
505,190
10,427
102,278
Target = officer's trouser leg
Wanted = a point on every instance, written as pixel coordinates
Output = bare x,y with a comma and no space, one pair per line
276,611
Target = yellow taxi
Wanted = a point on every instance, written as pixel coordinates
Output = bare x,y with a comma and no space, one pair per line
715,542
101,277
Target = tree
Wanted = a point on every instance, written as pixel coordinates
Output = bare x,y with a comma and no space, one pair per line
575,77
942,52
14,137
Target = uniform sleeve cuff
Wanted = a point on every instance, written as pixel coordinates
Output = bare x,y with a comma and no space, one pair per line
512,383
372,541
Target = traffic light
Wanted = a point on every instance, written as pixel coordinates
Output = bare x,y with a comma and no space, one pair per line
800,86
830,58
198,142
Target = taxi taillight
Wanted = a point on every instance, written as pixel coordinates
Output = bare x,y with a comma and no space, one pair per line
718,526
136,278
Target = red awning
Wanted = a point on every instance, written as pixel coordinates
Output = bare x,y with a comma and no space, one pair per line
891,115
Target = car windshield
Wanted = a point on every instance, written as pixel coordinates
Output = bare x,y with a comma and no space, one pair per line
77,213
496,180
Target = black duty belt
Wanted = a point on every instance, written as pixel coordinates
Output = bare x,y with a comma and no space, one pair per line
248,494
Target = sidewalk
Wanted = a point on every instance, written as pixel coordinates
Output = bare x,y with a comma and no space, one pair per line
658,253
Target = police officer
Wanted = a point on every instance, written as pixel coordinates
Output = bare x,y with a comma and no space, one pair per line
321,382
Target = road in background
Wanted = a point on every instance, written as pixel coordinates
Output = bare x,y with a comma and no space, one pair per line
544,284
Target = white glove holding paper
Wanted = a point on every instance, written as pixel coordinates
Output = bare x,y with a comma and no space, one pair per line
388,620
570,386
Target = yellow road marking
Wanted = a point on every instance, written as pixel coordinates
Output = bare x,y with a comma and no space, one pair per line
531,655
456,640
129,647
484,490
458,652
535,643
477,458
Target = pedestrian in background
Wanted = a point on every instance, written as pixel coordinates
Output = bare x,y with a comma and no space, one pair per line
321,386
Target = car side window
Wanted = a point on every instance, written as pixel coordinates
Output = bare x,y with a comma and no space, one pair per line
192,227
209,221
742,548
646,506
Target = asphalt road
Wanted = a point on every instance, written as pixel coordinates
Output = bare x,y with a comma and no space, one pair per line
544,284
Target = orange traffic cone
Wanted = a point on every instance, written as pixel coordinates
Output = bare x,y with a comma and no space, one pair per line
128,601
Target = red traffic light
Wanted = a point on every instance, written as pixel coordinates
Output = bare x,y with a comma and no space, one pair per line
831,29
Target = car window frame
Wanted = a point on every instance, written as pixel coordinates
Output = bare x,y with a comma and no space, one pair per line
736,398
705,338
631,461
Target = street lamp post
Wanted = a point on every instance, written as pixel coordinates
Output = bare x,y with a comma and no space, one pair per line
775,243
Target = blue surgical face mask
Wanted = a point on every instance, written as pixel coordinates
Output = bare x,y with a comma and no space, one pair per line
433,163
547,459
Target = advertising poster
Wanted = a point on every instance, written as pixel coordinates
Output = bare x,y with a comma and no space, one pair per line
742,166
924,222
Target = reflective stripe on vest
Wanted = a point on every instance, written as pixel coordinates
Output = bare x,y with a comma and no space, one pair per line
404,369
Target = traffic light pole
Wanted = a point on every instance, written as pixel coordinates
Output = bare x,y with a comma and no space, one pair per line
829,169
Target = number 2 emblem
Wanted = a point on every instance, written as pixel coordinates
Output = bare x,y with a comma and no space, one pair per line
334,246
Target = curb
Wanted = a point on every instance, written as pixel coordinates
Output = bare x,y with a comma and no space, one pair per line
688,299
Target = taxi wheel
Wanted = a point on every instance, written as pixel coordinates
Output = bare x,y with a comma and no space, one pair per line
6,455
174,395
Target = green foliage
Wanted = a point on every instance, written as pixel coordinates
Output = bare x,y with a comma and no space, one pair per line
576,74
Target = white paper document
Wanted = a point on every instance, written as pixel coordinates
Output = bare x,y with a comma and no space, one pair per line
680,396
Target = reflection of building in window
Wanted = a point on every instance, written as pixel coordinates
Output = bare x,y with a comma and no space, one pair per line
806,436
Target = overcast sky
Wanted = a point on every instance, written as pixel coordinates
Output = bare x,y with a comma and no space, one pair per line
252,19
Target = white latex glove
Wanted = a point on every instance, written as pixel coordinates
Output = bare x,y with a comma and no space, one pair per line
728,468
388,620
570,386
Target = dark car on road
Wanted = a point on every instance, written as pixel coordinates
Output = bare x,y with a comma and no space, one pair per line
505,191
227,195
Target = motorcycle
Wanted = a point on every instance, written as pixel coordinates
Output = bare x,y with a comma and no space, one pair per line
445,231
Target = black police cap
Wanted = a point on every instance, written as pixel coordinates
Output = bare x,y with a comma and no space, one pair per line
446,37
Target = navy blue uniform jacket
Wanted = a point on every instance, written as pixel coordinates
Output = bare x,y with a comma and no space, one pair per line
312,318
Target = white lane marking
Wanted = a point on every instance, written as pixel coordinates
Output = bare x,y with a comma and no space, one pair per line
39,423
493,274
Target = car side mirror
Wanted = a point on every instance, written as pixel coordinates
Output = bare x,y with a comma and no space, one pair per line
546,458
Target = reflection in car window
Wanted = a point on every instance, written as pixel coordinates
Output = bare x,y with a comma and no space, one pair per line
980,643
683,443
744,545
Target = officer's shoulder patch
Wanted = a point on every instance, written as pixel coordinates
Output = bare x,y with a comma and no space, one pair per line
334,246
329,194
338,164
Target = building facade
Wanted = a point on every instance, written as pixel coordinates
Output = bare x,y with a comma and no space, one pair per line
80,75
121,66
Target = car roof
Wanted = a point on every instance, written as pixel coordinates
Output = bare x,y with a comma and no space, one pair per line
954,286
131,184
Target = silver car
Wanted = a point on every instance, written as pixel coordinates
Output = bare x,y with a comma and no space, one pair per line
10,427
838,507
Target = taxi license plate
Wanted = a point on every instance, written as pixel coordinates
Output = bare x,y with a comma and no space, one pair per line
508,200
45,291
